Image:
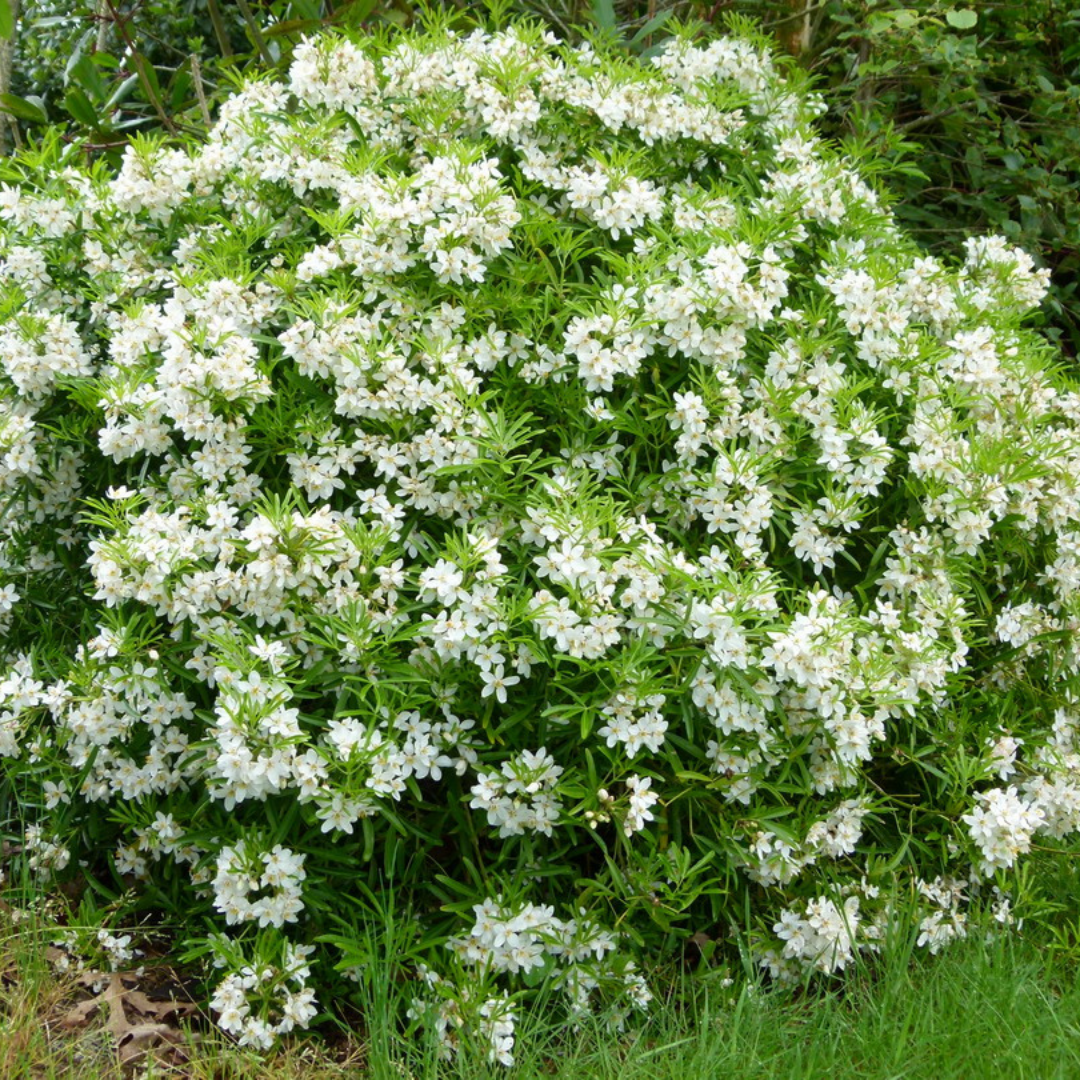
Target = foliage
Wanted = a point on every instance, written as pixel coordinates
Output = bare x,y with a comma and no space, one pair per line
106,69
984,99
541,484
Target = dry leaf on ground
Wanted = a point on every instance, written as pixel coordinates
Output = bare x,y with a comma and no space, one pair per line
137,1023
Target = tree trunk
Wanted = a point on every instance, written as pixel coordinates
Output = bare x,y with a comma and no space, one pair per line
104,23
7,55
798,30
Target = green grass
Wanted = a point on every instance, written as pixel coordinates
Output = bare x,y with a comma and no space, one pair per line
999,1009
995,1010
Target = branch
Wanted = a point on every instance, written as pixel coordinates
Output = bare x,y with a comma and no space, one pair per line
220,32
196,78
140,68
256,33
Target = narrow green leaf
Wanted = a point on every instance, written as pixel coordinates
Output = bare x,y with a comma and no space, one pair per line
603,14
23,108
148,69
651,26
77,53
293,26
122,90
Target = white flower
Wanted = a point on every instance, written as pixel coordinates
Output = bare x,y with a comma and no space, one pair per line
496,682
8,598
641,801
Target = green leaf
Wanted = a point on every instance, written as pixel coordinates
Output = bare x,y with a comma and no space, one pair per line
179,90
651,26
78,53
122,91
311,10
603,14
24,108
533,977
150,72
7,20
962,19
293,26
80,107
85,72
353,14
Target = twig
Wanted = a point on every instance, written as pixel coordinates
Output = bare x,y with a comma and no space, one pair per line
256,33
72,141
140,68
801,14
928,118
220,32
150,36
716,9
196,78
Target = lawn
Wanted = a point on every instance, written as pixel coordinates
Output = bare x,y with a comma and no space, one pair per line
1006,1007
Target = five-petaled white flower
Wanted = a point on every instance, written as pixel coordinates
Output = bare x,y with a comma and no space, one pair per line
496,682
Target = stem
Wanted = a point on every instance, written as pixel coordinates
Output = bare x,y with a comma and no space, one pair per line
140,68
220,32
864,95
102,15
89,146
196,78
797,40
929,118
800,9
256,33
715,10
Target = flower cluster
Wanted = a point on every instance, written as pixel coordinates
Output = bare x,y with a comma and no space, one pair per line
258,1002
520,797
72,947
459,1012
823,935
276,874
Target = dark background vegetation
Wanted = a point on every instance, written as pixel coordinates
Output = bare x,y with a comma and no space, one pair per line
971,112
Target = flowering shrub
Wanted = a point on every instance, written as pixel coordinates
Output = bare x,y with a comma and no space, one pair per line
541,484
